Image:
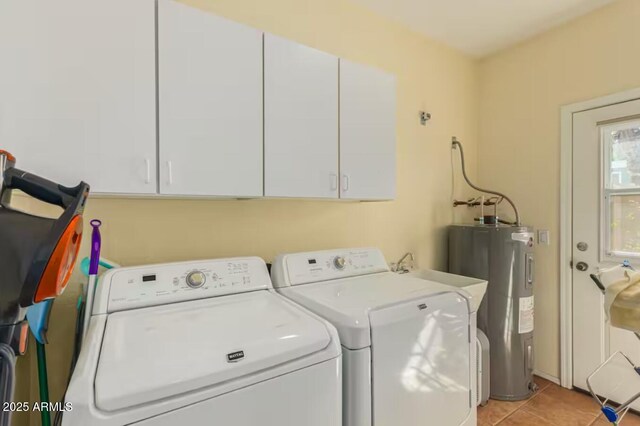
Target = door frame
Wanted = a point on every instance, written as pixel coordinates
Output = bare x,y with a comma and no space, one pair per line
566,221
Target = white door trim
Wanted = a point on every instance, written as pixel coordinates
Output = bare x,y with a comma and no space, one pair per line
566,207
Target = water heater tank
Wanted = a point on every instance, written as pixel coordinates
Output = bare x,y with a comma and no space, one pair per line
502,255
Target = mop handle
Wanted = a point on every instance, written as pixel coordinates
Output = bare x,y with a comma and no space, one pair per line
94,263
96,242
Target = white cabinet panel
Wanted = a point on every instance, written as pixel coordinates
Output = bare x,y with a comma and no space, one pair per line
210,98
367,133
301,120
77,91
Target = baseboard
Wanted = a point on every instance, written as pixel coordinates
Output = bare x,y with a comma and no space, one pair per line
548,377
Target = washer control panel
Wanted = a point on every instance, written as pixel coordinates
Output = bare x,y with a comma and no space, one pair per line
305,268
142,286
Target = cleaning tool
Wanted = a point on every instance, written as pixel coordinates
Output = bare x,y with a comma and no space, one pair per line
38,319
105,263
83,307
94,263
37,256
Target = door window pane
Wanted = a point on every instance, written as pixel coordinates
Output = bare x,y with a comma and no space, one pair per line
621,179
624,225
623,146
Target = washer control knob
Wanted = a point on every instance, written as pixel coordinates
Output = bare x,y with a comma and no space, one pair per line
339,262
196,279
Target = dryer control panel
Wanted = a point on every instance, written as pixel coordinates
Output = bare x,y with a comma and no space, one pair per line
142,286
306,268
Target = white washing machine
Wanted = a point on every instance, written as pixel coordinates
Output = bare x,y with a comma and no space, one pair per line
204,342
408,343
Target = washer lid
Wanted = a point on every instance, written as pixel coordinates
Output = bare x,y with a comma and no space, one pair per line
347,302
164,351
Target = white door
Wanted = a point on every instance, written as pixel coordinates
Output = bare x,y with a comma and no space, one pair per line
367,133
210,99
606,228
77,91
301,120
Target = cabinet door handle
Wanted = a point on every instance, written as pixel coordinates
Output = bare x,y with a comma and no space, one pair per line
345,182
170,172
333,182
148,164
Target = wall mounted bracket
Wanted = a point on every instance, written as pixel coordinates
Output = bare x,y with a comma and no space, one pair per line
424,117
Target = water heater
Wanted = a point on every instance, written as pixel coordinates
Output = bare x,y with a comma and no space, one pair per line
503,255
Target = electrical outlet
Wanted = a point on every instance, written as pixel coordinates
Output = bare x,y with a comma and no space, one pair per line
544,238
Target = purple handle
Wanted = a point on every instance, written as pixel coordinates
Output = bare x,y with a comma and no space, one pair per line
96,242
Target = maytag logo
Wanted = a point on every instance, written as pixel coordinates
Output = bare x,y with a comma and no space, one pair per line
235,356
422,306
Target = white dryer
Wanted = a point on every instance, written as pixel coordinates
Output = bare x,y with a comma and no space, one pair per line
408,343
203,342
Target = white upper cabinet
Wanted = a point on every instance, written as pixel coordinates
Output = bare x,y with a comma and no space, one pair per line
301,120
367,133
85,84
77,91
210,99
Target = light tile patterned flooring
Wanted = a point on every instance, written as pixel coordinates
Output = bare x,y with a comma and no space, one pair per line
551,405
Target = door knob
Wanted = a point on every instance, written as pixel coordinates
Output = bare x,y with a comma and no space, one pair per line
582,266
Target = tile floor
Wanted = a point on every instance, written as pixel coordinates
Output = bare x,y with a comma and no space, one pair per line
551,405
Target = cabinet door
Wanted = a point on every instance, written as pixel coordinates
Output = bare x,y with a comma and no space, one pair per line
367,133
77,91
301,120
210,121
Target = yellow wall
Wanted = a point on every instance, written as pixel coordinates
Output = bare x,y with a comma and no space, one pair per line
509,102
522,90
430,77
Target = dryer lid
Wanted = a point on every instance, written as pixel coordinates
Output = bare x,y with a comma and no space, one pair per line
164,351
346,303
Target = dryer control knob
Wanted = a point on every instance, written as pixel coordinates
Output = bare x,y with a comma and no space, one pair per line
196,279
339,262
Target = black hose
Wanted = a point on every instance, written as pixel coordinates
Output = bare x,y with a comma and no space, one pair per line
454,143
7,381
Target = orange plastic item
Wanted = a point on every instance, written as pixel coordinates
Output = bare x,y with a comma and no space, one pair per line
9,156
58,271
24,338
